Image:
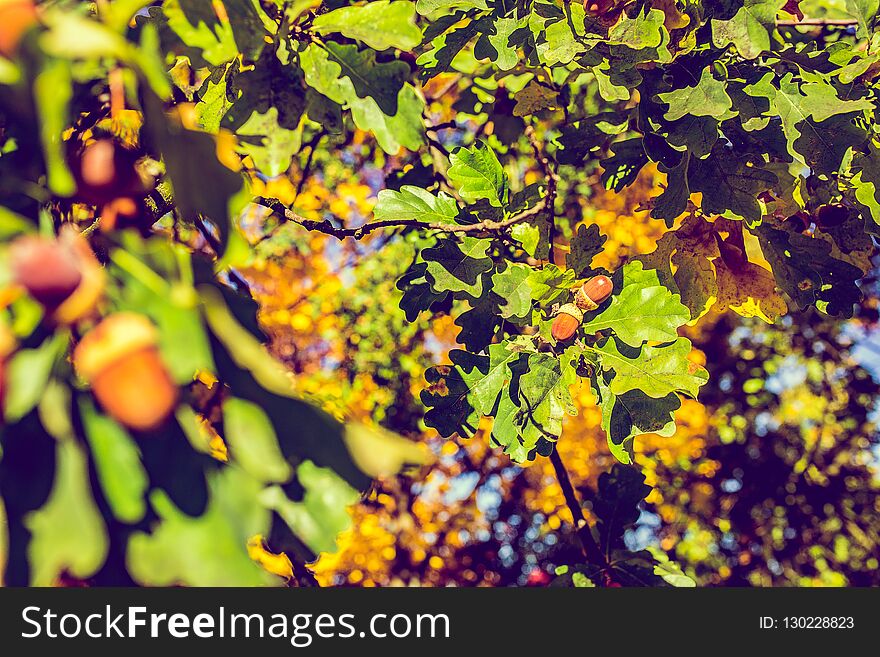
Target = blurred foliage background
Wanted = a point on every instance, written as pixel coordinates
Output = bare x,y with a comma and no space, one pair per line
770,479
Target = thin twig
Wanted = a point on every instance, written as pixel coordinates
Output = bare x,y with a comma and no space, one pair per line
591,547
307,169
340,232
819,22
584,532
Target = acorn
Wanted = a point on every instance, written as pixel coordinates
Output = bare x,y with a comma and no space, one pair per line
90,290
593,292
105,171
63,275
566,322
120,359
16,18
48,269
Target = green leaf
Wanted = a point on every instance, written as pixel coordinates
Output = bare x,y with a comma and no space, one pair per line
544,397
528,235
808,272
415,204
213,98
632,414
563,39
267,113
417,293
823,145
584,246
551,284
645,30
866,180
477,174
183,343
623,167
323,512
656,371
208,550
668,570
506,56
118,464
457,266
52,95
434,9
480,323
708,98
460,393
616,504
190,158
673,201
730,182
27,375
198,27
512,285
641,312
750,28
866,12
379,100
68,533
369,79
803,107
379,24
252,442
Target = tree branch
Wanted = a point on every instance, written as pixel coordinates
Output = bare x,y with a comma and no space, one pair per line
328,227
819,22
584,532
590,546
307,169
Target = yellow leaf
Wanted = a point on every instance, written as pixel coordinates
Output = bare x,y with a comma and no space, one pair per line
277,564
750,292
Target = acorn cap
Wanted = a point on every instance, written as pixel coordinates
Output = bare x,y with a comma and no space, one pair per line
91,288
573,310
566,322
111,340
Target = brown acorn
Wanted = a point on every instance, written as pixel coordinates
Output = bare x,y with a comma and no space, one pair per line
593,292
62,275
46,268
106,171
119,358
16,18
566,322
89,292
